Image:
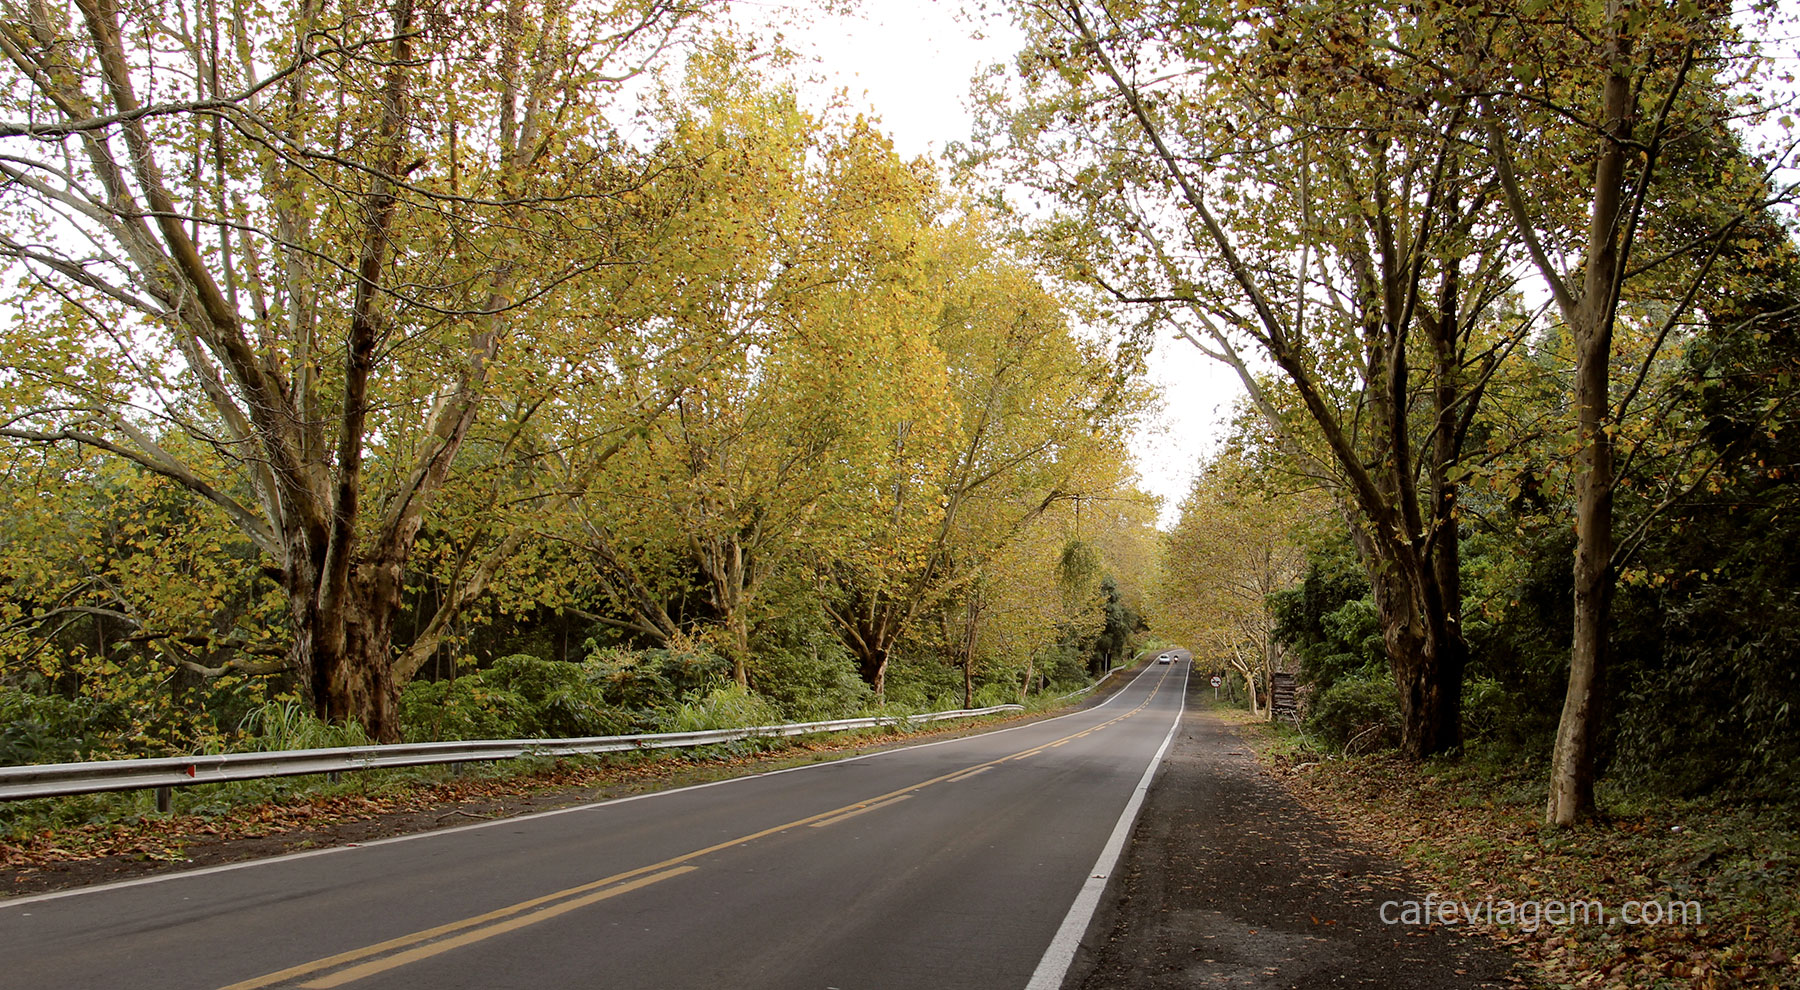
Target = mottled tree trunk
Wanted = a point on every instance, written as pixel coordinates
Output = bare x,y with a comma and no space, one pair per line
1572,766
871,663
1427,655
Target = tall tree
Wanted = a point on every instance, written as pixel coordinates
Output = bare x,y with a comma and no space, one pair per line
1582,117
798,237
1233,546
1014,414
310,240
1291,196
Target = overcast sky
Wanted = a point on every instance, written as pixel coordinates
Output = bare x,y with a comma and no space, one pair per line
909,62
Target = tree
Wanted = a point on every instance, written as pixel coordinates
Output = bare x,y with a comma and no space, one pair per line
802,230
999,412
1293,196
310,242
1614,85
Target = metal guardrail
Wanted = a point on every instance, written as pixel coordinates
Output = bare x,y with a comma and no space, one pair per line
57,779
1103,679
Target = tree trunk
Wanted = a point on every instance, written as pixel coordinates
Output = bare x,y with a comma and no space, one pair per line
347,650
1572,766
737,627
871,663
1425,647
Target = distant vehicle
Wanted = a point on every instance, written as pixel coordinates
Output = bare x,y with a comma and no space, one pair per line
1165,658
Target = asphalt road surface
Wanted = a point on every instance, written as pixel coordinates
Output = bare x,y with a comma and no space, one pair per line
966,863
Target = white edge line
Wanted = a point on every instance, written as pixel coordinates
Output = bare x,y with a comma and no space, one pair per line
1054,967
310,853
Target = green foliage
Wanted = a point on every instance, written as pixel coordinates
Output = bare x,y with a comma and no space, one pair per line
1063,666
1518,638
285,725
920,681
810,681
560,698
1330,620
38,728
519,697
1359,713
994,693
1487,710
464,708
641,682
1115,636
727,707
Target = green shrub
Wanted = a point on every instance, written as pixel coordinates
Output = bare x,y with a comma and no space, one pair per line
728,707
644,682
918,678
1356,713
48,728
519,697
1486,707
812,682
995,693
466,708
560,700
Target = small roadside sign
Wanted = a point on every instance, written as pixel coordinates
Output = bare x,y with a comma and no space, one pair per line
1217,680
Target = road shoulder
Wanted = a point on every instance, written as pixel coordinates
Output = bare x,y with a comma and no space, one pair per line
1229,881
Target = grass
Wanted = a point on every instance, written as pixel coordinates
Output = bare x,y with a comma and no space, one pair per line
1472,826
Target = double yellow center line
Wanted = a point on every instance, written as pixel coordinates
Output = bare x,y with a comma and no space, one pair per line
356,964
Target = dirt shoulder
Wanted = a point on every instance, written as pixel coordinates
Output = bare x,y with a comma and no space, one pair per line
1229,881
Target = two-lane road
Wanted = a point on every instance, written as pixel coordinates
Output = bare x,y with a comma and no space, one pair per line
949,864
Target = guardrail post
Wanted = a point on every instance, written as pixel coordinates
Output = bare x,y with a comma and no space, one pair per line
165,800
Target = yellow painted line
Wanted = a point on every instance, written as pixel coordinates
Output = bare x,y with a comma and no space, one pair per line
414,955
966,774
852,814
660,870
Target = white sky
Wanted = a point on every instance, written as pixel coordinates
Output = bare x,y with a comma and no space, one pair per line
909,63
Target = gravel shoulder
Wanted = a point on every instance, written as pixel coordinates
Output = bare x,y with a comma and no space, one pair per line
1228,881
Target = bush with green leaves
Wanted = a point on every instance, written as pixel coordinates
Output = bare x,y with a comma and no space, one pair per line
996,693
464,708
642,684
726,707
518,697
49,728
810,681
918,680
1357,714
